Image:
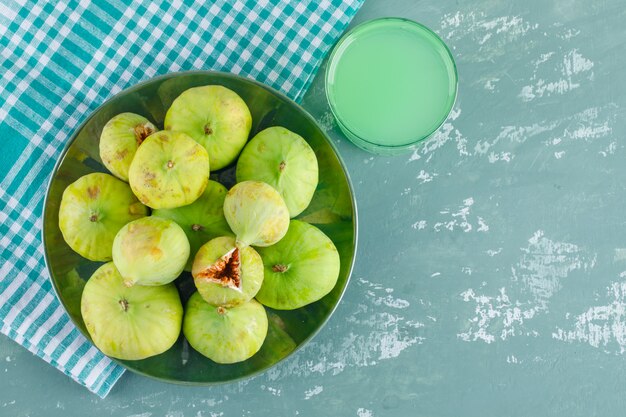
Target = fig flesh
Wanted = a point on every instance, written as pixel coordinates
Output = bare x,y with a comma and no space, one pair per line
226,275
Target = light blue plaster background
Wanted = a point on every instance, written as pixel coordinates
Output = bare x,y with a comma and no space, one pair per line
491,276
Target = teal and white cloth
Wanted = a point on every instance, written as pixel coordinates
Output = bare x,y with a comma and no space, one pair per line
60,60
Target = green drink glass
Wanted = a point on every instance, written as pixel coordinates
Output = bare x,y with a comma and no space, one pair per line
390,83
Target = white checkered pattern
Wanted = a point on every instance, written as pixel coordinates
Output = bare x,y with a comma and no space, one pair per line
59,62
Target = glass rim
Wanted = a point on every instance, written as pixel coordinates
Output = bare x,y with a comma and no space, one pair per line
334,57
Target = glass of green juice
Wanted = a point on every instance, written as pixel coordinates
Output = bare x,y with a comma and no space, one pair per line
390,83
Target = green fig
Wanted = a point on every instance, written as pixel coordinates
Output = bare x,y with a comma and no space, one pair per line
225,335
283,160
119,140
201,220
130,323
256,213
226,275
169,170
150,251
93,209
300,269
215,117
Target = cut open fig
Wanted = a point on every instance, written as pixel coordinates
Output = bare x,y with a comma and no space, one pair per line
225,274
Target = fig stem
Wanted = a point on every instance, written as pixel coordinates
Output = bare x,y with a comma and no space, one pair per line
124,303
241,244
280,268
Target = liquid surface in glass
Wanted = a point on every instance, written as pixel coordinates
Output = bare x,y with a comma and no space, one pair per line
391,82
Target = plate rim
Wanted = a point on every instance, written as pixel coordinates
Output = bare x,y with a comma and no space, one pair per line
282,96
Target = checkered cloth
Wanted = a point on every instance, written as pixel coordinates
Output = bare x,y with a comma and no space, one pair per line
59,61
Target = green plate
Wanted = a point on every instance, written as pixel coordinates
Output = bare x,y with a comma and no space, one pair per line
333,210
